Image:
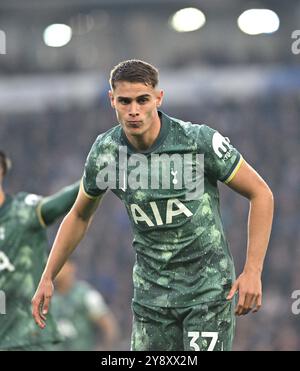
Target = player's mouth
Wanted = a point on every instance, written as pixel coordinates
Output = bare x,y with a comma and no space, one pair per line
134,124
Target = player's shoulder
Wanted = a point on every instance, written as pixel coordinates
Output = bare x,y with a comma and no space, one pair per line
79,290
28,199
214,142
109,138
82,286
201,133
87,292
86,288
106,144
188,128
25,209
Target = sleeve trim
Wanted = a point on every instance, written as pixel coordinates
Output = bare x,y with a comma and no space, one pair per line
234,171
39,214
85,193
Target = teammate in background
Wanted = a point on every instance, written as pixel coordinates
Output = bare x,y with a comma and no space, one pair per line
79,311
184,281
23,254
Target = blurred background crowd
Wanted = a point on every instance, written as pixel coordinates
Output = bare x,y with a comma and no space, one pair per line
53,104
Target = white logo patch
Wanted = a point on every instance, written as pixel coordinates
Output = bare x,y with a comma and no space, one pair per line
32,200
221,145
174,174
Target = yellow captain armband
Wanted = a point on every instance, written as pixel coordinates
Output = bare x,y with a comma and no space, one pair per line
39,214
235,170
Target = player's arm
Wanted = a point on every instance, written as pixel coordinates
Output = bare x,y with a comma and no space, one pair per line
249,184
70,233
57,205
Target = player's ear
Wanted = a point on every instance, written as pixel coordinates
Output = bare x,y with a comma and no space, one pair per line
111,98
159,98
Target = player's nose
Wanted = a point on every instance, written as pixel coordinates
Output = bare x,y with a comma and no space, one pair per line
134,109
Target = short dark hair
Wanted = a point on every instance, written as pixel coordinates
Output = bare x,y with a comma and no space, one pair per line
5,163
134,71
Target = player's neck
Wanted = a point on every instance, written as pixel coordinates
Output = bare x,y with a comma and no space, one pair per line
2,196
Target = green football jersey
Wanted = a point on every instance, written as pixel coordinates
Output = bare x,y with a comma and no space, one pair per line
23,248
171,195
74,313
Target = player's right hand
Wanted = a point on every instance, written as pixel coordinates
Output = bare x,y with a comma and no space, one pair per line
41,301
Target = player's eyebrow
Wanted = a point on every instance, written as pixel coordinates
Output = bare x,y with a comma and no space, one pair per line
143,96
124,99
120,98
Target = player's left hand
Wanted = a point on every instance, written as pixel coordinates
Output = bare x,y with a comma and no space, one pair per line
41,302
249,288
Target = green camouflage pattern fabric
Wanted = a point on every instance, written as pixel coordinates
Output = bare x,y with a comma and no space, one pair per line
182,255
23,247
75,312
202,327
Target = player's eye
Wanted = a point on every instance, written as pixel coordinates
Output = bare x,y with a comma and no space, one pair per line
142,100
124,101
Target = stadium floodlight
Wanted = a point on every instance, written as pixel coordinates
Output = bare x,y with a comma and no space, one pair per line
57,35
258,21
187,20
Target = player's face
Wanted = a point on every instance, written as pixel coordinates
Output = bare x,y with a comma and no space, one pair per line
136,106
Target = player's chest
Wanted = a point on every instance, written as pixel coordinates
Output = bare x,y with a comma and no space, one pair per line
7,253
141,178
11,228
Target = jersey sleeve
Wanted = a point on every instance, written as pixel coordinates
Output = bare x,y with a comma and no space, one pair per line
91,170
221,159
57,205
28,210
